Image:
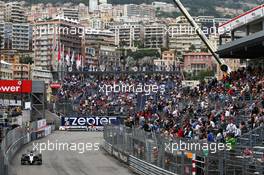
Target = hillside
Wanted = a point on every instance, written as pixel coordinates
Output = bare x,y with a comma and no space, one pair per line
220,8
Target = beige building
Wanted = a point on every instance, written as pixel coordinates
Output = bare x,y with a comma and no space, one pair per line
21,71
37,73
92,44
155,35
55,33
182,37
127,34
168,59
15,12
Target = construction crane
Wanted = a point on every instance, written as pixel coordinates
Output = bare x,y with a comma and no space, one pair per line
200,33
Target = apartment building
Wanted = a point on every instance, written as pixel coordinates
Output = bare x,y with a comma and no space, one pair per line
168,59
93,5
51,35
70,13
126,35
155,35
142,10
21,71
15,12
37,73
197,61
182,36
6,71
93,42
15,36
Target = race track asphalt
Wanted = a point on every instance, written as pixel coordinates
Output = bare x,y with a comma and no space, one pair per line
63,162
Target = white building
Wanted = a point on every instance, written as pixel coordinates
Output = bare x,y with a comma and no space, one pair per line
126,34
37,73
155,35
143,10
70,13
93,5
102,1
15,12
15,36
6,71
182,36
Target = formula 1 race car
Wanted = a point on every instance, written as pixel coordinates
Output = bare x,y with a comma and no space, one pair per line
31,158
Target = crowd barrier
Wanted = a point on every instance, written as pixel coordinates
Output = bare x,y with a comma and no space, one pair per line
146,153
15,140
138,166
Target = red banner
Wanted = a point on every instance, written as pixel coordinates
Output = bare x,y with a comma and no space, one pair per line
15,86
55,85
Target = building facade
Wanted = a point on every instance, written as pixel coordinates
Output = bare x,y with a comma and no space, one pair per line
6,71
15,36
21,71
56,33
15,12
198,61
155,35
127,35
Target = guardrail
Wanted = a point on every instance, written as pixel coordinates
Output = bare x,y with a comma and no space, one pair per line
138,166
14,141
148,153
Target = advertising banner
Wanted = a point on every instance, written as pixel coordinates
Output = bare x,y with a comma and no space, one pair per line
55,85
15,86
41,123
91,121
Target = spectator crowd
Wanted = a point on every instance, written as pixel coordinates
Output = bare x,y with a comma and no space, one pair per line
215,110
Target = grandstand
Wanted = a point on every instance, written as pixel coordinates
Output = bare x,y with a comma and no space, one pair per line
230,110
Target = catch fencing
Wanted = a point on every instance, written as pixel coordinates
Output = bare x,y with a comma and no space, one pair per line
157,151
15,140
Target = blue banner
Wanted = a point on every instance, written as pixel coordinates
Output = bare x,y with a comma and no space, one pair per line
89,121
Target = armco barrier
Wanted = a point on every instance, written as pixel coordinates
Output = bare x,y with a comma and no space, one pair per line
144,168
138,166
150,153
14,141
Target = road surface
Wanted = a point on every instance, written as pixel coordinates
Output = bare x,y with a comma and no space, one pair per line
63,162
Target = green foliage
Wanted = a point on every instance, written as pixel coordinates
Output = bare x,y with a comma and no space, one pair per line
144,53
162,14
26,60
201,75
192,48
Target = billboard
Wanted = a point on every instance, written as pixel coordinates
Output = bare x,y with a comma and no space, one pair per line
15,86
95,121
55,85
243,19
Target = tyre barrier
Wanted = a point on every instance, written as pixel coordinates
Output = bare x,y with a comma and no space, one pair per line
136,165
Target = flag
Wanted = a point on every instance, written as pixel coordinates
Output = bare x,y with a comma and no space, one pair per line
72,57
62,53
54,43
59,53
78,61
68,61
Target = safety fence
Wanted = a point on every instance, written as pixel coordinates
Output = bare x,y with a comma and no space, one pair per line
145,151
16,139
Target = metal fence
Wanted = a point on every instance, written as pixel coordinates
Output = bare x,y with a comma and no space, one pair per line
157,150
14,141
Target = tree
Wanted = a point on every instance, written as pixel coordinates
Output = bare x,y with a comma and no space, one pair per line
26,60
192,48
